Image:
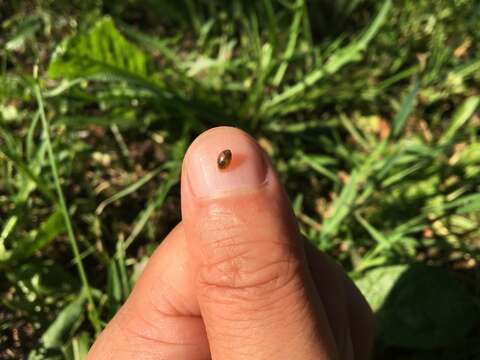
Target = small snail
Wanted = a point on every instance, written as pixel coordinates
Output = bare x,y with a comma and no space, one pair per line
224,159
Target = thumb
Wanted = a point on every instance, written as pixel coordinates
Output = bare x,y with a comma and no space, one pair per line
254,291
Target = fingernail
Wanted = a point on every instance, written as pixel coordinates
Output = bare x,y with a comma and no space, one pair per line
212,173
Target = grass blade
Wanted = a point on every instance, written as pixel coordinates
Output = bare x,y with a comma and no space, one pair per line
292,42
406,108
342,57
461,116
8,227
157,201
65,320
66,216
128,190
342,207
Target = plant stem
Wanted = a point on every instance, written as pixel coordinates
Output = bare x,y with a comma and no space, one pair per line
63,207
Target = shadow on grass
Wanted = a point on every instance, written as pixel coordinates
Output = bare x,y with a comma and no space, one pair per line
423,312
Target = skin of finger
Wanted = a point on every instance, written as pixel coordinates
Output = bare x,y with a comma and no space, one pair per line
255,293
348,312
160,319
172,261
133,329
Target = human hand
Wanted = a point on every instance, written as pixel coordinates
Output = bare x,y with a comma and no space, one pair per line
235,279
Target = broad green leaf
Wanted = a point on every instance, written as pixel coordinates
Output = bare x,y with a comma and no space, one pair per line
376,284
419,306
102,51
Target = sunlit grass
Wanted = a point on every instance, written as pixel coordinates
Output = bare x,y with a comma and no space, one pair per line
368,109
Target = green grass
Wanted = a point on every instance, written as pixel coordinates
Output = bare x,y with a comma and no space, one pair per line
369,110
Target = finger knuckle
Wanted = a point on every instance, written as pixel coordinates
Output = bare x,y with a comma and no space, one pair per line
236,266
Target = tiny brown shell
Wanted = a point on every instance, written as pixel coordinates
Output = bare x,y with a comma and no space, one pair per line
224,159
